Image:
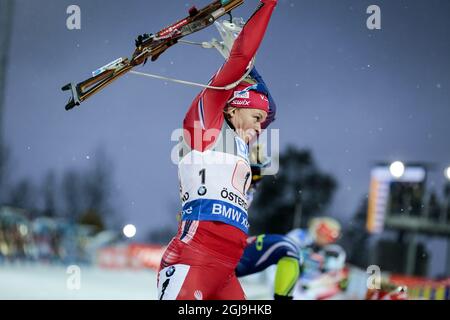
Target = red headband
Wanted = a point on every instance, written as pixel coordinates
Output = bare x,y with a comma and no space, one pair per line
250,99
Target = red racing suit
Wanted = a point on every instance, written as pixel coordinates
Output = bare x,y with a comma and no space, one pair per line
214,173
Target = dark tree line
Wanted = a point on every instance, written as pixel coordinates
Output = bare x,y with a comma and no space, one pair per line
4,160
298,192
77,195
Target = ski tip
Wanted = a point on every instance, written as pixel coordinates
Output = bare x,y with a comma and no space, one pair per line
71,104
74,99
66,87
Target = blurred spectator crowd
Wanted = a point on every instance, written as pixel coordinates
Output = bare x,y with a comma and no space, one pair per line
47,240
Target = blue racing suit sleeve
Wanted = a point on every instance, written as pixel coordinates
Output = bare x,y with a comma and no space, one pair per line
272,106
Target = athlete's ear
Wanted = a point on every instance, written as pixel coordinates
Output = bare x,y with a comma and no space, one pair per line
229,112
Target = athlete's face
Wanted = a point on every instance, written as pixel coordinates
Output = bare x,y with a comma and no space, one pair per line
247,122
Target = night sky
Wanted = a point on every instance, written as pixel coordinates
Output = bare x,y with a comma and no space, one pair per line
351,95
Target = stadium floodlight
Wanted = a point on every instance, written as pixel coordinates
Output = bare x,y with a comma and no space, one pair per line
447,173
397,169
129,231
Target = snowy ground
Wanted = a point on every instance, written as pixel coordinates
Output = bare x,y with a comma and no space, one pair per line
55,282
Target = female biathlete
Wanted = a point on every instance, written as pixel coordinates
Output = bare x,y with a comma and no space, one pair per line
214,173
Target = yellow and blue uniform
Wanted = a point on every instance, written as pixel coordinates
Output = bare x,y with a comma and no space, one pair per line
269,249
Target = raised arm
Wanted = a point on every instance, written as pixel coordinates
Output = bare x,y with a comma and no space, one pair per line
210,101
